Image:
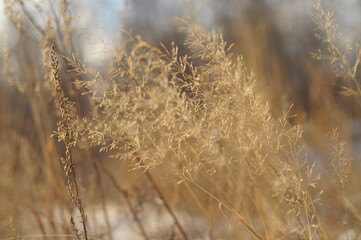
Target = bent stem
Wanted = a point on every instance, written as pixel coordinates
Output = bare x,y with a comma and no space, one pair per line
229,208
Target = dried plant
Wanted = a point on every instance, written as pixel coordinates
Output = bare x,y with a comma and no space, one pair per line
339,57
178,129
69,134
340,164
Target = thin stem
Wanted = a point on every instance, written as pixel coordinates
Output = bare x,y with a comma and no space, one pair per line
64,128
125,194
232,210
167,206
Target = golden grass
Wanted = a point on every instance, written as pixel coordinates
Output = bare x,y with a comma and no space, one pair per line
159,130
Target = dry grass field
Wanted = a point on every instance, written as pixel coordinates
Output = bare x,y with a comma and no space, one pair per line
185,133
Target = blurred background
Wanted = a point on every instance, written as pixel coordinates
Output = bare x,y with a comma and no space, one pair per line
275,38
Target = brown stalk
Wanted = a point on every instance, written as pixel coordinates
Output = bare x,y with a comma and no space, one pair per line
103,202
69,166
98,165
166,205
157,190
229,208
125,194
164,201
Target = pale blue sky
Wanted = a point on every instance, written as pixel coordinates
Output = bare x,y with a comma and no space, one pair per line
106,13
103,17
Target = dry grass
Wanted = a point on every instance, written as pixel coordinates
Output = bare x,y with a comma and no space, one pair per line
161,131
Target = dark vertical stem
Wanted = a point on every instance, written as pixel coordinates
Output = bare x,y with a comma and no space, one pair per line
103,203
166,205
125,194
